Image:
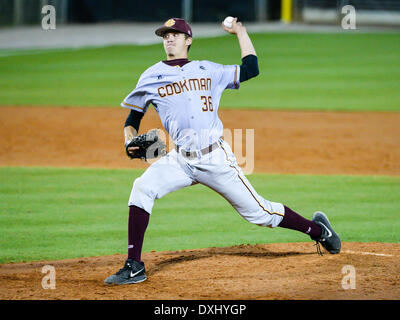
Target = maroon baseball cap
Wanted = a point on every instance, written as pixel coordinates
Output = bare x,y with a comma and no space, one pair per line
175,24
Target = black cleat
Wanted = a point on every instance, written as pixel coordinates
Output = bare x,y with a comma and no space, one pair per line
132,272
329,239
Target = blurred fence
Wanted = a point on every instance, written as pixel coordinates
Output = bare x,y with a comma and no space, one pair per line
20,12
369,12
25,12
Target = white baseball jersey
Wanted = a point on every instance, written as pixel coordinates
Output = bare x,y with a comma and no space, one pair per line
187,99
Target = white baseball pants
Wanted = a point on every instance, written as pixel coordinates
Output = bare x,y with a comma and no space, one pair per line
217,170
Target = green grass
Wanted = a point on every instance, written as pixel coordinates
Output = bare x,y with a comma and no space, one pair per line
350,72
48,214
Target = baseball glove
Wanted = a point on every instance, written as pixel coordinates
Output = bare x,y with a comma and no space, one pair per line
150,146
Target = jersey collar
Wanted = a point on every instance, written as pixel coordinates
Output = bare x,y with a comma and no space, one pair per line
176,62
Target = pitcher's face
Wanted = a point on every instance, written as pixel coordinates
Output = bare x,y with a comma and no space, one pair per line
176,44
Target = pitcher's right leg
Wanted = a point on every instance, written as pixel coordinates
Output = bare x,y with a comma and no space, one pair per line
221,173
227,178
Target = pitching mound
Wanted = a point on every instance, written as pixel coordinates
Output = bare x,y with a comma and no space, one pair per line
268,271
285,142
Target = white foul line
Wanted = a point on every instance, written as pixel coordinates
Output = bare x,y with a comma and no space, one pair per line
369,253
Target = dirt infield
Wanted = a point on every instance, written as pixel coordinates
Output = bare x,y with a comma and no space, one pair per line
270,271
285,142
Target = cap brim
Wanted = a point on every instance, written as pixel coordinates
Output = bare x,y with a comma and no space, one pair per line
160,31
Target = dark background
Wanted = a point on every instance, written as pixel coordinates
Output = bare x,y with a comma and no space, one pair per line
158,10
96,11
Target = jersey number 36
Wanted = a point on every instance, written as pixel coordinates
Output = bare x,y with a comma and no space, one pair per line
207,103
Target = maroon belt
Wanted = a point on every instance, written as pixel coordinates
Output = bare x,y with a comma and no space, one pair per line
193,154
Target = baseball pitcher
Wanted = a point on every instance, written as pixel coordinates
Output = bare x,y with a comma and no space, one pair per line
186,96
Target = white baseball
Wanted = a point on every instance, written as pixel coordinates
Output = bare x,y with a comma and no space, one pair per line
228,22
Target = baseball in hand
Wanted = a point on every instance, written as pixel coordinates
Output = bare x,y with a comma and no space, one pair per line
228,22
